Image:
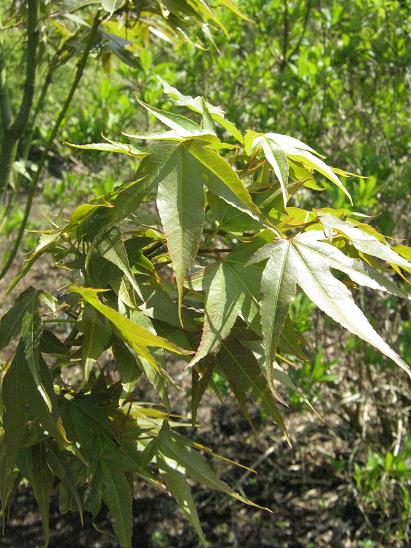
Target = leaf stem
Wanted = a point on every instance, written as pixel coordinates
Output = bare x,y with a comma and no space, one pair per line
216,250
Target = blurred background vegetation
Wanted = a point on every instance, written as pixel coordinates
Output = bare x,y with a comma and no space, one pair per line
336,74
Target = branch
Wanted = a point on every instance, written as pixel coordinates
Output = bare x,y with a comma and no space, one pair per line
17,127
5,107
38,107
36,176
12,131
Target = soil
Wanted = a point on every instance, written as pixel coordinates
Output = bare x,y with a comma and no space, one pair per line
312,504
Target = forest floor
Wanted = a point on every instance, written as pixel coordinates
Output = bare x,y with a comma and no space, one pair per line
312,504
307,486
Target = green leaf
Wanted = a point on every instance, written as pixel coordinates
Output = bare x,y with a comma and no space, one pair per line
356,269
248,277
111,5
180,202
112,146
93,495
159,306
174,447
47,414
292,341
7,479
15,415
289,143
82,212
96,335
311,162
148,175
207,122
221,179
176,482
31,331
10,323
118,498
330,295
278,161
33,465
118,46
299,152
158,378
23,400
278,287
42,483
196,104
311,271
136,336
50,344
278,373
184,127
245,376
110,246
230,218
84,420
235,9
170,135
223,302
364,242
63,470
201,376
126,364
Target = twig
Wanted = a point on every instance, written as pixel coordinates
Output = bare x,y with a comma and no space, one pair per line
260,459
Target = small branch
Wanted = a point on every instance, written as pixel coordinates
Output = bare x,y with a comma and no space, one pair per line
285,37
305,23
255,464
